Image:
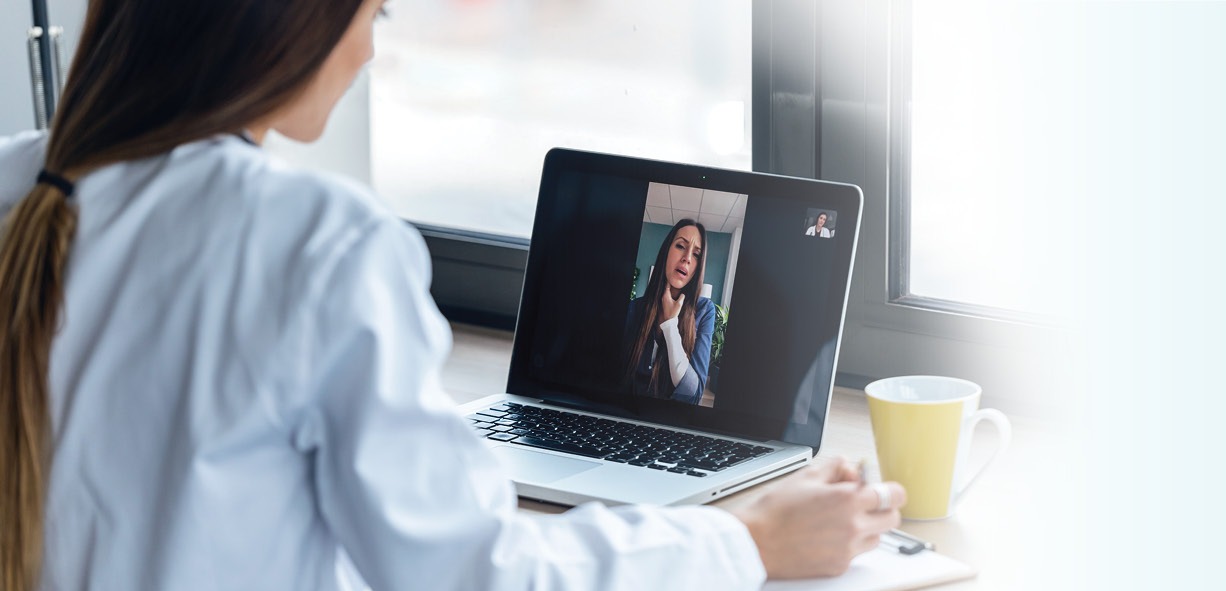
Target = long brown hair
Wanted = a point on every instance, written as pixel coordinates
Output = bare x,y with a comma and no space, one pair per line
148,75
651,304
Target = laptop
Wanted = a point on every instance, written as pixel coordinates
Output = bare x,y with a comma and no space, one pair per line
678,331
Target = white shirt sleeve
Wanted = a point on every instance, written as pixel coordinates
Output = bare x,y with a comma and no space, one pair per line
678,362
412,494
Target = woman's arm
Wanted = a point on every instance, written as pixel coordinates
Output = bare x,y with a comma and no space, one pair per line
415,497
689,374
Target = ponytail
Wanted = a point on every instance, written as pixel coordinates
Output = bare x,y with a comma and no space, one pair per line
34,245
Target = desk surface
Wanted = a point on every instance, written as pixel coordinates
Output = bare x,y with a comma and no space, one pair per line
1016,527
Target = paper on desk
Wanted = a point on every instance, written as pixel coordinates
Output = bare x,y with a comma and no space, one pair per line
885,570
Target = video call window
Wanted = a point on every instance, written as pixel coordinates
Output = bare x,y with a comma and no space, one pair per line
819,223
643,321
681,294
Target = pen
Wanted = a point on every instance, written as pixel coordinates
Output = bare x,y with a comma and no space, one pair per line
914,541
893,541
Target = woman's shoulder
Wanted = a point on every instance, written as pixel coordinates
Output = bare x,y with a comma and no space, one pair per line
704,309
21,156
637,304
273,191
299,216
270,181
33,144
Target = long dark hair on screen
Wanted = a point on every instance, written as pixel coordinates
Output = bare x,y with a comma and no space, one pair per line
148,75
651,305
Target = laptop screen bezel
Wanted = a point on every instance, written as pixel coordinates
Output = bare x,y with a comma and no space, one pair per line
844,198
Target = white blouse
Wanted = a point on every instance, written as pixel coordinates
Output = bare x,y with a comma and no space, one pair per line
245,389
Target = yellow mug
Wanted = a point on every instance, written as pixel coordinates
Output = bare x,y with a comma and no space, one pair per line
923,426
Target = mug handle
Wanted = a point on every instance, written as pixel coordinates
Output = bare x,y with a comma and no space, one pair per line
998,419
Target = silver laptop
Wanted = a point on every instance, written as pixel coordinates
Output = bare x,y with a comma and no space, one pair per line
678,331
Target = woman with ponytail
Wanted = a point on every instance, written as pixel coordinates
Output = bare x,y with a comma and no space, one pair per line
219,372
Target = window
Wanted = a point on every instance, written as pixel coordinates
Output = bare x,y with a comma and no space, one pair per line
986,164
1113,112
1089,114
468,95
848,83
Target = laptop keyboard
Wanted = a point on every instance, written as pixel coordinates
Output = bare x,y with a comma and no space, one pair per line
614,441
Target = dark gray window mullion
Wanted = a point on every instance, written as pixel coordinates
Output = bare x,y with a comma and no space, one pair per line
899,276
785,96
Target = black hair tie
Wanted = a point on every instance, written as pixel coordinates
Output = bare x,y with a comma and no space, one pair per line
57,181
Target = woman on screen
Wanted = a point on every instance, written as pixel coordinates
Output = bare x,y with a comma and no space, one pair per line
670,327
819,227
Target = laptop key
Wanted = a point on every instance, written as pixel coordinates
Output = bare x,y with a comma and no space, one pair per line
679,469
502,436
702,465
696,473
582,450
657,466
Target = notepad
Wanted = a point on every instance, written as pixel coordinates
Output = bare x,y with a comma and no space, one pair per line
885,570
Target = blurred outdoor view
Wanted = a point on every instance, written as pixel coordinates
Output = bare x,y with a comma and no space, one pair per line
1021,150
994,149
467,96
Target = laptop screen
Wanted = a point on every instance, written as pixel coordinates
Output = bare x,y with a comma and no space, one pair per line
694,297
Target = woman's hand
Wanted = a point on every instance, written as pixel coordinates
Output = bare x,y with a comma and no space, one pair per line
812,523
670,308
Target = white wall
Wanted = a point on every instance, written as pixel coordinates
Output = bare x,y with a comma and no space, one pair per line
16,18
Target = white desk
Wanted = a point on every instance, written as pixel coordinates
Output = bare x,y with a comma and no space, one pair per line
1020,526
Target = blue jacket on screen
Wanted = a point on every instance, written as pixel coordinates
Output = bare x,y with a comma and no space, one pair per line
691,387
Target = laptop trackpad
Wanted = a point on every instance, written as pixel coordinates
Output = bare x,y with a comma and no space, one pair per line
533,466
